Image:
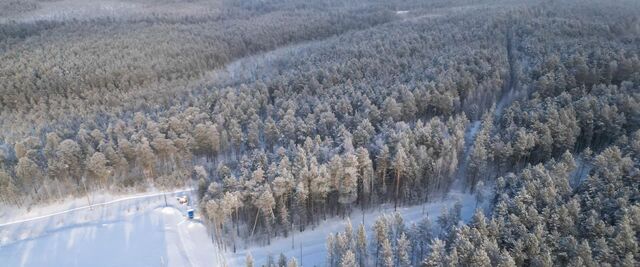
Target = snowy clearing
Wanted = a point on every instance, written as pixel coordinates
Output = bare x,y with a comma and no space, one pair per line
139,230
131,231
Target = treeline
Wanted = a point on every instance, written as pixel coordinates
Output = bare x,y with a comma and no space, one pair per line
565,155
13,7
360,119
376,108
538,219
341,127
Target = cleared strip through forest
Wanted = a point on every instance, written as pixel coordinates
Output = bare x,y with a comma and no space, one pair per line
508,96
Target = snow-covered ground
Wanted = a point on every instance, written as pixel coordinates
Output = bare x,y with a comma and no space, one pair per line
136,230
139,230
309,247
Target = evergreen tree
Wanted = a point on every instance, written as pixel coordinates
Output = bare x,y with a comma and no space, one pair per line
387,254
404,248
282,260
348,259
399,166
361,245
437,256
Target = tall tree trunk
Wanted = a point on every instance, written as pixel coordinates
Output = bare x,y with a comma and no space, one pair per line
395,204
255,223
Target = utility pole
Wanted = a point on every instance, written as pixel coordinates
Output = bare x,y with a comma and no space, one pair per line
293,246
87,193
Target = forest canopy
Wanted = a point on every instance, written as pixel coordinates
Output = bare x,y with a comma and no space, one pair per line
285,113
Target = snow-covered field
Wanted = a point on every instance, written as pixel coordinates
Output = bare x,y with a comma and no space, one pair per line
138,230
135,230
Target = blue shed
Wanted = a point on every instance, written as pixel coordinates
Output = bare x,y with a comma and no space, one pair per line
190,213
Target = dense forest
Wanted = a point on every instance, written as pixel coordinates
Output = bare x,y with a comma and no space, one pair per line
286,113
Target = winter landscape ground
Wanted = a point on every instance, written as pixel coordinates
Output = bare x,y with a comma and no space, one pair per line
139,229
142,231
348,133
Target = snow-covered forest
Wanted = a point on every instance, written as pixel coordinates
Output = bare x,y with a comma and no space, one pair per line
466,132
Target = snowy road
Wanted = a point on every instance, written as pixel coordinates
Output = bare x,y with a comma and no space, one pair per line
130,231
309,247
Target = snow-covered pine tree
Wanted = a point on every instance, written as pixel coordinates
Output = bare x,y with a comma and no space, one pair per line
399,167
387,257
361,245
348,259
403,254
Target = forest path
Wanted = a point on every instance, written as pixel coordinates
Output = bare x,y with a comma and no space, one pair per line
459,183
309,247
510,94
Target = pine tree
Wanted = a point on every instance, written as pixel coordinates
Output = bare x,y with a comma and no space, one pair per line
331,258
348,184
479,158
282,260
28,174
399,166
505,260
300,200
381,231
348,259
8,189
404,246
479,258
271,132
382,166
146,158
398,225
387,253
349,235
69,156
437,256
341,246
424,234
453,260
365,175
625,241
253,133
265,204
97,168
392,110
361,245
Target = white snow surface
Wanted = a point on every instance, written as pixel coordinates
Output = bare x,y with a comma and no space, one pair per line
309,247
136,230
